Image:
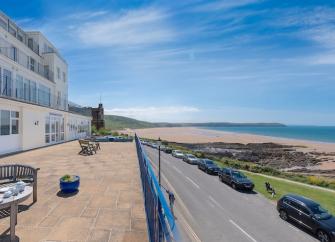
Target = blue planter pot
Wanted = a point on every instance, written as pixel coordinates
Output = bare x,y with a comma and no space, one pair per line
69,187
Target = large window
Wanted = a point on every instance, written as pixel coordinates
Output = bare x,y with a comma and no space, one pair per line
33,92
47,130
44,95
54,129
15,122
26,90
4,122
19,91
9,122
7,84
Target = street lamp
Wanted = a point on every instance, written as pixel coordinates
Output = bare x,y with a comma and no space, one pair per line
159,143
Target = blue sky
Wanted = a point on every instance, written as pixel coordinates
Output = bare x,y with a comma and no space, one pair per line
195,61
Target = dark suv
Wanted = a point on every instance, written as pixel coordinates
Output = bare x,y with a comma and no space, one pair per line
309,214
236,179
208,166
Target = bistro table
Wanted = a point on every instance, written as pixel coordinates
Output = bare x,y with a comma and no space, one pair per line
12,203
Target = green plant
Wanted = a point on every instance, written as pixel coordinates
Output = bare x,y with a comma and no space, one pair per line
68,178
115,133
94,130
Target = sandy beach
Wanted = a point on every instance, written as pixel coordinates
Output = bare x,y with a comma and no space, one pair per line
197,135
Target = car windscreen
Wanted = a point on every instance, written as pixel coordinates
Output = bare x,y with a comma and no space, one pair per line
191,156
319,212
209,162
237,174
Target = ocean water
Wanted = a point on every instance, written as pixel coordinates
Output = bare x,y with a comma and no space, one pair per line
312,133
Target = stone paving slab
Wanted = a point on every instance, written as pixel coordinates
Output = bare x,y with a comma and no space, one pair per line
108,207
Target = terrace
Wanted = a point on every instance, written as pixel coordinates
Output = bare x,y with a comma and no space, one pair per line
109,206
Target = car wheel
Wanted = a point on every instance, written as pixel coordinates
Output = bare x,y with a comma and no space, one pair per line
233,185
323,236
283,215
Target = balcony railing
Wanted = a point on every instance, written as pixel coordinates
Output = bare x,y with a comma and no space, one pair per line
24,60
32,95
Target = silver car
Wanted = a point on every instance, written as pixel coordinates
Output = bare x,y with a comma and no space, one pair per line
191,159
178,154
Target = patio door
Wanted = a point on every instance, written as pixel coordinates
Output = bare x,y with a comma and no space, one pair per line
54,129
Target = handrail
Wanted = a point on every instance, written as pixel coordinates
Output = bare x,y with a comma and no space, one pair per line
161,221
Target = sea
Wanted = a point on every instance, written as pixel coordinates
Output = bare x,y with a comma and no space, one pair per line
311,133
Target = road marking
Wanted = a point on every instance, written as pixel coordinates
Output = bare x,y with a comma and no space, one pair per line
195,184
179,171
215,202
243,231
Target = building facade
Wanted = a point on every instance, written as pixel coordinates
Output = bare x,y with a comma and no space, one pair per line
34,92
98,118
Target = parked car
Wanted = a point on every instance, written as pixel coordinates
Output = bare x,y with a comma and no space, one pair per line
154,145
236,179
208,166
191,159
178,154
309,214
167,150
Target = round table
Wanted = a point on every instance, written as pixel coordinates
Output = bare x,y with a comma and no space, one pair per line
12,203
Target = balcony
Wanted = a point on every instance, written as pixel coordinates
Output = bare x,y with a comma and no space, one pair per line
24,60
32,95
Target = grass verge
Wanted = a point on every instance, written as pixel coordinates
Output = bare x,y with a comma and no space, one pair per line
325,198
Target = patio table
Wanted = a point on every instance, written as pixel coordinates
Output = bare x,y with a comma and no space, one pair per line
12,203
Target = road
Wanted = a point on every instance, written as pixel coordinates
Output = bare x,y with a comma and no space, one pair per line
209,211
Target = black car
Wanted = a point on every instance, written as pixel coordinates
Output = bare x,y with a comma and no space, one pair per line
167,150
208,166
309,214
236,179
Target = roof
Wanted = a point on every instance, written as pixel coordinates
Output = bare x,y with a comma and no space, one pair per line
305,200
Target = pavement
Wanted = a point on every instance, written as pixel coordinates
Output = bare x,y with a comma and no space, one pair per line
109,206
210,211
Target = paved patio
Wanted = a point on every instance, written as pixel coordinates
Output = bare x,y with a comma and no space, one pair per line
109,206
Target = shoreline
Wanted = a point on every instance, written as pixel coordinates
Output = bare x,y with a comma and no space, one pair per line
194,135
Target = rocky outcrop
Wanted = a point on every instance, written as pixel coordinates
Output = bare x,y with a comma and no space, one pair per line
270,154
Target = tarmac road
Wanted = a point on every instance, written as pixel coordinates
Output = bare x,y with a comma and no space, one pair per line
209,211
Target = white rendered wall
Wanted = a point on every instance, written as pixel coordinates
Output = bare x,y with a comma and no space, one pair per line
32,126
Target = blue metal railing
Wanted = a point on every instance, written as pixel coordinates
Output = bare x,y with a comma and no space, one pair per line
160,220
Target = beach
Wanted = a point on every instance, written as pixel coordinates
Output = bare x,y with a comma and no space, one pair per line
198,135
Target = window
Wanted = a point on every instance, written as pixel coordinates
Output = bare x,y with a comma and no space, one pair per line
13,53
30,43
4,122
33,92
304,210
47,130
32,64
64,77
12,30
26,91
3,23
7,84
19,92
58,73
15,122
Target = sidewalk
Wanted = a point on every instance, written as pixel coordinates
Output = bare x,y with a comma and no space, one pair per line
109,206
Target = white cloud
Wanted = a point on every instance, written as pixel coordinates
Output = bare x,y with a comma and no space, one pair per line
155,113
135,27
223,5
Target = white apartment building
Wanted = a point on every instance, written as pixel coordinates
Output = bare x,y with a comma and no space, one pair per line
34,92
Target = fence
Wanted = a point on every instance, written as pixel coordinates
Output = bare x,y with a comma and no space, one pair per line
160,220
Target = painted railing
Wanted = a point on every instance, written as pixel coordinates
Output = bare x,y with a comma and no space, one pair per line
160,220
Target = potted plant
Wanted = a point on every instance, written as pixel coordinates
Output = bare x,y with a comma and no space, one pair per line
69,183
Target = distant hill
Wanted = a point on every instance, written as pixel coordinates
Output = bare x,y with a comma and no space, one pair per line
118,122
115,122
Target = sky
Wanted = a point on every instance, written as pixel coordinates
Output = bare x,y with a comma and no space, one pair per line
194,61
